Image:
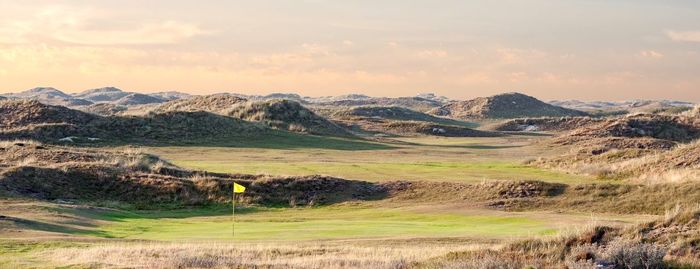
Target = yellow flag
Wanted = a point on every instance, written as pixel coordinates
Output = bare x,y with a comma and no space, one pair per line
238,188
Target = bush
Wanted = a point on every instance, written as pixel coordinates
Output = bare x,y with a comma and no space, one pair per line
633,255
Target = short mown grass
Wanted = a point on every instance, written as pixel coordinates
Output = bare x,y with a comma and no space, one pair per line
335,222
423,158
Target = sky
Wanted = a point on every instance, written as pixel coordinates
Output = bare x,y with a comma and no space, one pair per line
551,49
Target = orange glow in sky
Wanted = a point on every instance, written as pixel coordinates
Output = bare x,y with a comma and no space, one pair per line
579,49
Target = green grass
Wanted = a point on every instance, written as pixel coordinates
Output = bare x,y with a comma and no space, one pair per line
420,158
19,253
431,171
336,222
274,139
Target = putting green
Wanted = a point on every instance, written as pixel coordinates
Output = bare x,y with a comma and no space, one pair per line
336,222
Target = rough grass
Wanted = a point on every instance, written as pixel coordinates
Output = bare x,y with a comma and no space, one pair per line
333,254
447,171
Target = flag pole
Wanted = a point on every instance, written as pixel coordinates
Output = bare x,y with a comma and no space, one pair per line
235,188
233,215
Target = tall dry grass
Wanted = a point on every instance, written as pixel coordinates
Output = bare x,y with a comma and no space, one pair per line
335,255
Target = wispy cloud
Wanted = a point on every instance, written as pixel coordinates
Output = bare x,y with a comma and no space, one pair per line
79,26
651,54
684,36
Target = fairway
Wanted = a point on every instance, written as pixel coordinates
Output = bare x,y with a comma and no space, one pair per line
421,158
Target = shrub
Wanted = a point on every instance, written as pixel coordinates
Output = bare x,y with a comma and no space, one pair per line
632,255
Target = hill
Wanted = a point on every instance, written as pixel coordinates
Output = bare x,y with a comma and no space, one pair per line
34,120
101,95
218,103
393,120
170,95
426,128
546,124
673,128
25,113
389,113
509,105
103,109
49,96
286,115
633,106
277,113
116,96
413,103
695,112
137,99
628,146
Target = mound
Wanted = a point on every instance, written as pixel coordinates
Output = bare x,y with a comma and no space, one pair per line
383,112
137,99
545,124
90,175
695,112
425,128
101,95
635,106
104,109
326,99
286,115
491,192
509,105
684,160
674,128
413,103
600,156
171,95
628,147
50,96
24,113
185,127
285,96
218,103
116,96
33,120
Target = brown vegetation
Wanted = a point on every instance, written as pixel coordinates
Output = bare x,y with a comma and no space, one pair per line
509,105
286,115
218,103
644,147
55,124
668,243
545,124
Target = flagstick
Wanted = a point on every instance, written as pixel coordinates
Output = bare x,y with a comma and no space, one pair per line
233,216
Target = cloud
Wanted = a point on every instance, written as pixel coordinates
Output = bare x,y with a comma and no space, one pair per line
167,32
651,54
82,27
432,54
519,56
684,36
